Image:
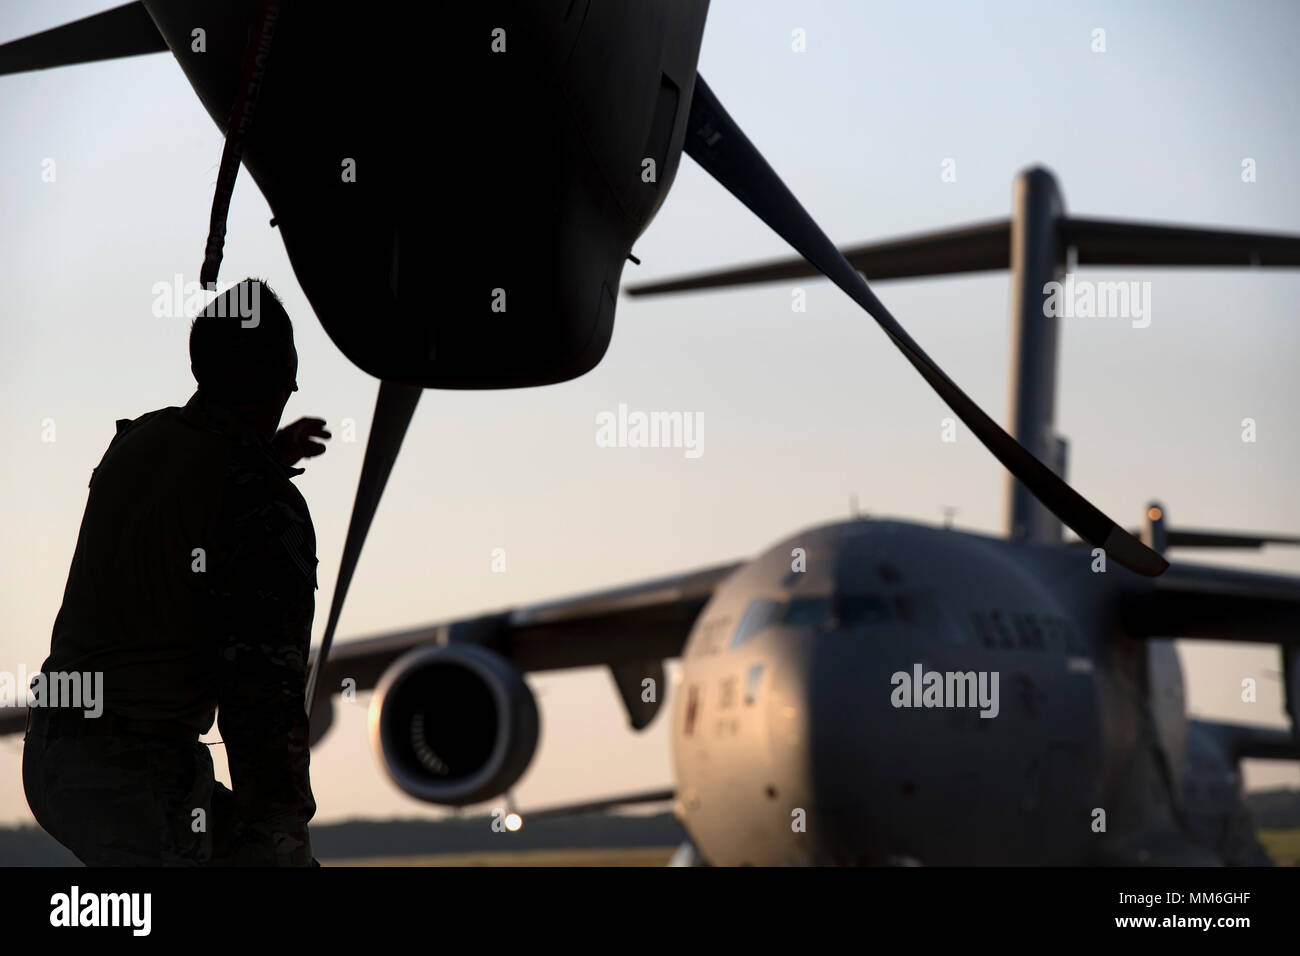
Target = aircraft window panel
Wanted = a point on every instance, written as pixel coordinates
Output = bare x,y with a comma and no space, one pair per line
862,610
807,612
760,613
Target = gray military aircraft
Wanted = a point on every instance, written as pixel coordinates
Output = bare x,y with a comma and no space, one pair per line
802,730
880,691
865,692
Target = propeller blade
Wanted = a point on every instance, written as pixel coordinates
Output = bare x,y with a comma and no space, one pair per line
393,410
715,142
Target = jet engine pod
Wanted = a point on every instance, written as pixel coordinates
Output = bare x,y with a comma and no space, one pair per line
454,724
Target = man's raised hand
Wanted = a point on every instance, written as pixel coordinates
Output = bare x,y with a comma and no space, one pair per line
299,440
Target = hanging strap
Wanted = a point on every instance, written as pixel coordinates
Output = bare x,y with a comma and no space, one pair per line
256,56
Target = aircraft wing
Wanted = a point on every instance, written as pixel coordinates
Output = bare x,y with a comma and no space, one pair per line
1190,538
629,629
645,621
1221,604
1246,742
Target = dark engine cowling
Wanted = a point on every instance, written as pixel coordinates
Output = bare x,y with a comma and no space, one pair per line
454,725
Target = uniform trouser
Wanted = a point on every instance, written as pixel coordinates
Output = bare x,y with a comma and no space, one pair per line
126,800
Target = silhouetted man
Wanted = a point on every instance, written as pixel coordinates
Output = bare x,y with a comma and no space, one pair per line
191,591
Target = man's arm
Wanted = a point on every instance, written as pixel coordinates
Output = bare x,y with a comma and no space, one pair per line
262,607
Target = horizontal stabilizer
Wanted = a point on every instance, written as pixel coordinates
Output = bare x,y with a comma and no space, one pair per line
127,30
977,248
987,246
1106,242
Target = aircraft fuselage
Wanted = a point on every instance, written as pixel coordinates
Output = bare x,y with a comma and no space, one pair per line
800,735
458,187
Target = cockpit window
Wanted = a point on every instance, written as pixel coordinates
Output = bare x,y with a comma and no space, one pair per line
807,612
758,615
862,610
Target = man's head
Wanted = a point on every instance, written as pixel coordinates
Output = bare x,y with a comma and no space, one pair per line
242,353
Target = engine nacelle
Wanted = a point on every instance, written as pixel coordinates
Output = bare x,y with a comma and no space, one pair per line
454,724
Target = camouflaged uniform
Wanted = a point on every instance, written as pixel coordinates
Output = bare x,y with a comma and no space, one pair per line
192,590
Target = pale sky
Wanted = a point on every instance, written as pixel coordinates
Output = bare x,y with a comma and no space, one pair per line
801,410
